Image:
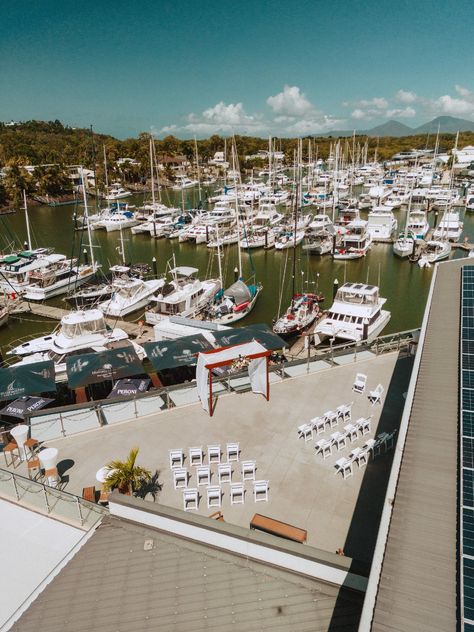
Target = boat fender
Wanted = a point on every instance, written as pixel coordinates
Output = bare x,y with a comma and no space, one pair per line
242,306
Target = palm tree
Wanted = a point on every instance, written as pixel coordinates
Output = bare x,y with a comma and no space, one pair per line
126,476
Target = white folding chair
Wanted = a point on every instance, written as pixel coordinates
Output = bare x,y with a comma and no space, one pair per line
306,431
319,424
325,447
237,494
345,466
176,458
331,418
213,454
369,446
351,432
360,456
224,473
376,395
190,498
232,452
203,475
339,440
359,383
260,491
364,425
196,456
214,495
180,477
248,470
344,412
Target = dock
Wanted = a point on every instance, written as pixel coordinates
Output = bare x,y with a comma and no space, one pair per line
143,332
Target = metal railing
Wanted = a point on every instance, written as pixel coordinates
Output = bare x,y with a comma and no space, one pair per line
50,501
77,417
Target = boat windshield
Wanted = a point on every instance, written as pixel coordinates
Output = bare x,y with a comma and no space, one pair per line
72,330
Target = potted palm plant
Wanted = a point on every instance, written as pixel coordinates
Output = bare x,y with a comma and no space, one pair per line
126,476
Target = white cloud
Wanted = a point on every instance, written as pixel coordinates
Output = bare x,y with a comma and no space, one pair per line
464,92
220,118
407,112
290,102
406,96
447,104
359,114
380,103
316,125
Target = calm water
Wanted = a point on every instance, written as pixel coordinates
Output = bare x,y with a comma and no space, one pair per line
404,285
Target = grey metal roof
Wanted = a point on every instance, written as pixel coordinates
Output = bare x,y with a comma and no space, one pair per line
417,589
114,584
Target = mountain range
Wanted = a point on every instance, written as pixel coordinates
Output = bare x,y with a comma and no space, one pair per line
446,124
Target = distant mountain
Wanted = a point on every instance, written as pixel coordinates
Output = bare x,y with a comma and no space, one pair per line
447,125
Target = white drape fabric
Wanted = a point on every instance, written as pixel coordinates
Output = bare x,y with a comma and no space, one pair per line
257,368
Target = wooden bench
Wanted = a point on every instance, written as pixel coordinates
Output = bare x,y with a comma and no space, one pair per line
88,493
275,527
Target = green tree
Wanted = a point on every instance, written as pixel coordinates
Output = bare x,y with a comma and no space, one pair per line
16,180
126,476
51,180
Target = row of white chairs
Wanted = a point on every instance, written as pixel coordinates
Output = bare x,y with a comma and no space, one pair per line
181,475
214,495
361,455
360,382
339,439
196,455
331,418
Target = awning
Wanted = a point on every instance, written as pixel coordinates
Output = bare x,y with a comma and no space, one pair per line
27,379
127,387
169,354
261,333
92,368
25,405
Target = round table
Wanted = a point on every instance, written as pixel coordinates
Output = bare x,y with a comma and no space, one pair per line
48,458
20,434
102,474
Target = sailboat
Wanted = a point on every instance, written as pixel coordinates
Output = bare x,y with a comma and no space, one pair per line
405,244
304,307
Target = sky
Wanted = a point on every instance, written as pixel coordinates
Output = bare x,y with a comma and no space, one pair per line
199,67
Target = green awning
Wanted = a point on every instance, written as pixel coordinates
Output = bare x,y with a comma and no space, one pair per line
169,354
92,368
27,379
261,333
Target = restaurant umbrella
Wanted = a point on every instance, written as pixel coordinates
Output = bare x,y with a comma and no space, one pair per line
129,386
24,406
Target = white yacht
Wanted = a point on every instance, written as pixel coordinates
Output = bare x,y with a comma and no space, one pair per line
128,294
15,269
320,222
116,220
58,277
355,315
183,182
355,243
450,227
302,312
320,243
263,237
224,238
289,238
78,333
381,224
185,295
117,192
418,225
404,246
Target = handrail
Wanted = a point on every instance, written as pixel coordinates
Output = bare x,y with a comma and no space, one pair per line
26,485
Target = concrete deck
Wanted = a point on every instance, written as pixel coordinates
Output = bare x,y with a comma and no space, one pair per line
304,490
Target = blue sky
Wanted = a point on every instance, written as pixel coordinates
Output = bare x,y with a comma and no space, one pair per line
251,66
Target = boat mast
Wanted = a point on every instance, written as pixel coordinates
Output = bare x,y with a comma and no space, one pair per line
197,169
86,215
295,222
234,168
105,169
27,219
152,174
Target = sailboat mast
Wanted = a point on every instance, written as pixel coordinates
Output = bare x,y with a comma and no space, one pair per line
197,169
295,206
105,169
234,168
27,219
86,215
151,172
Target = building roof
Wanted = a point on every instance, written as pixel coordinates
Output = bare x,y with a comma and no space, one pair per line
417,589
131,577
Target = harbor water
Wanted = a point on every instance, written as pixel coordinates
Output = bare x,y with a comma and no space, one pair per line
403,284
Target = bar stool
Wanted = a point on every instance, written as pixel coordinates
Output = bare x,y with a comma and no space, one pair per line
34,468
13,451
31,446
52,476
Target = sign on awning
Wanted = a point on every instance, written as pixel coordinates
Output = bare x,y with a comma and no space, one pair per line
261,333
128,387
27,379
92,368
169,354
25,405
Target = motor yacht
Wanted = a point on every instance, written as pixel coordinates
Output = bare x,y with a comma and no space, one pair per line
381,224
59,276
418,225
183,182
355,242
450,227
355,315
117,192
129,294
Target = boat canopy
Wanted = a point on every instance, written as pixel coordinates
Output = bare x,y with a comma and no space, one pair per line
239,292
83,323
186,271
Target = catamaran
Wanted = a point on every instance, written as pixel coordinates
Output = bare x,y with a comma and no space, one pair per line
355,315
